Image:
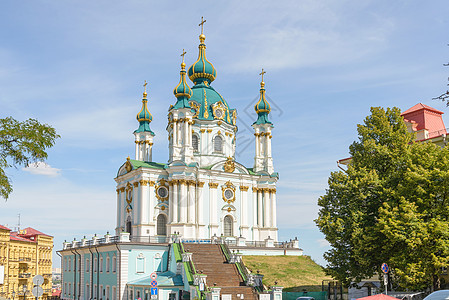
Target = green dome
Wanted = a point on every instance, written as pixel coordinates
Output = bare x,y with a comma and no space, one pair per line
262,107
202,69
182,91
206,99
144,117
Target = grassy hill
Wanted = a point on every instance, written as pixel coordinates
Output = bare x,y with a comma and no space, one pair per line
294,273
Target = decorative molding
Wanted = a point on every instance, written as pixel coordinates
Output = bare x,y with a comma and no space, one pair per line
228,187
209,130
200,184
136,184
118,191
122,189
244,188
213,185
151,183
143,182
229,165
202,130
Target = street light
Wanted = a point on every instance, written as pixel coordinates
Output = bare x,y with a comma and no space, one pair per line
24,291
13,294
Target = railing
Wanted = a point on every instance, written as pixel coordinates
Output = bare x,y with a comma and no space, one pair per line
190,268
24,259
24,275
150,239
255,244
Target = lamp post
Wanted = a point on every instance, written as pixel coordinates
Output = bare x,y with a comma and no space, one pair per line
24,291
13,294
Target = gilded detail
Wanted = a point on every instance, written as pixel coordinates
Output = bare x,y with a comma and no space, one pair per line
228,192
244,188
213,185
229,165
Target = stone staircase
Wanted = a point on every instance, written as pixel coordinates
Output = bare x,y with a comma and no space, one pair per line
210,260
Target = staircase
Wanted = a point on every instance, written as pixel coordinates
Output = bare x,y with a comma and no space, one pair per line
209,259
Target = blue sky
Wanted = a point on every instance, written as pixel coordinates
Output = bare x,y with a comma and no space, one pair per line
80,66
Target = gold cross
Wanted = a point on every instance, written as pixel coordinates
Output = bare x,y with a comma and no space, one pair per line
201,24
183,53
145,86
261,73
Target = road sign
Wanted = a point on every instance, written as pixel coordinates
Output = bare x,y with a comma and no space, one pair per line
38,280
154,283
154,291
37,291
153,276
385,268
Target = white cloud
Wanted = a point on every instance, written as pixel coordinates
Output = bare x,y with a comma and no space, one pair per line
42,168
323,243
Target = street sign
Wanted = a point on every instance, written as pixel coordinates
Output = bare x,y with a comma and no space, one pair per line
153,297
385,268
37,291
153,276
38,280
154,283
154,291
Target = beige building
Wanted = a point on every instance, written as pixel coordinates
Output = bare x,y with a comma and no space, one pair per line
23,255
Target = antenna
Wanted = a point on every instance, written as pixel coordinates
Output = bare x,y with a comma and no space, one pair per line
18,223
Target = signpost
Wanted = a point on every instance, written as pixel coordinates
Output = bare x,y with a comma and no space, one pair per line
154,290
385,269
37,290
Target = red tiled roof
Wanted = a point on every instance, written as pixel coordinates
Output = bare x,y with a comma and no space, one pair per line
15,237
420,106
28,232
425,117
4,228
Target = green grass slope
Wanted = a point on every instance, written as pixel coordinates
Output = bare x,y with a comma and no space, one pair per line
294,273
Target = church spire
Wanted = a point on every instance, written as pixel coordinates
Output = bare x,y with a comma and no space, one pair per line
262,107
144,116
144,135
182,91
202,70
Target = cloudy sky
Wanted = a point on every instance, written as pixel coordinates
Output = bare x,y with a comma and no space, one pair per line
80,66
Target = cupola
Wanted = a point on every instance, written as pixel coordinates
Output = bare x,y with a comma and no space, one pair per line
182,91
144,116
262,107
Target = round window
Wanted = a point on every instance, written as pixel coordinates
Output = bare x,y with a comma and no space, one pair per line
162,192
229,194
219,113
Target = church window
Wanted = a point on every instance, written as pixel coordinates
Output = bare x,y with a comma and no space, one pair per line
128,225
107,264
114,264
114,291
131,295
162,192
95,264
101,264
138,294
161,225
87,265
195,143
227,226
140,265
218,144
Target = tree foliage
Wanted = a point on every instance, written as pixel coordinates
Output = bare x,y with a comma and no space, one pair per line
391,205
22,143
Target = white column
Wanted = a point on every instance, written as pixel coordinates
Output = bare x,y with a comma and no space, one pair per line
135,205
191,212
267,208
200,203
243,205
119,211
273,209
137,150
259,208
213,205
183,202
151,202
144,202
174,201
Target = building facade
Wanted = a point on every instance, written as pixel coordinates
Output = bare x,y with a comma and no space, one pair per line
23,255
202,190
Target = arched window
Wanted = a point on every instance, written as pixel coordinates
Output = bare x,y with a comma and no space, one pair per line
227,226
195,143
161,225
218,144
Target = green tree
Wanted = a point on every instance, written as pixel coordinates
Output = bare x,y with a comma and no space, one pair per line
391,205
22,143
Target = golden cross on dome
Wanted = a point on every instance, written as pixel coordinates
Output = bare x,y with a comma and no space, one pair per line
183,53
261,73
145,86
201,24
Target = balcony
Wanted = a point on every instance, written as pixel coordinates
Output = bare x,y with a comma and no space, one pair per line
24,275
47,275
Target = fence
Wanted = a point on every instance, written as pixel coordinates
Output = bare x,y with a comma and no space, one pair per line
294,295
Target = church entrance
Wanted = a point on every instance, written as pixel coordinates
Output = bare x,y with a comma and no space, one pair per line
227,226
161,225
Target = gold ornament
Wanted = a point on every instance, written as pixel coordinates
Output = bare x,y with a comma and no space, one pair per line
228,192
229,165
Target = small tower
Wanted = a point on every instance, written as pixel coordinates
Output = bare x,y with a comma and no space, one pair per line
262,127
181,121
144,135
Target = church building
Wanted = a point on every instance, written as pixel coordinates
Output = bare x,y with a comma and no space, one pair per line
183,225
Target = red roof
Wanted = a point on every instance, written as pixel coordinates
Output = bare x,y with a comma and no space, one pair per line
28,232
14,236
4,228
425,117
378,297
420,106
56,293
